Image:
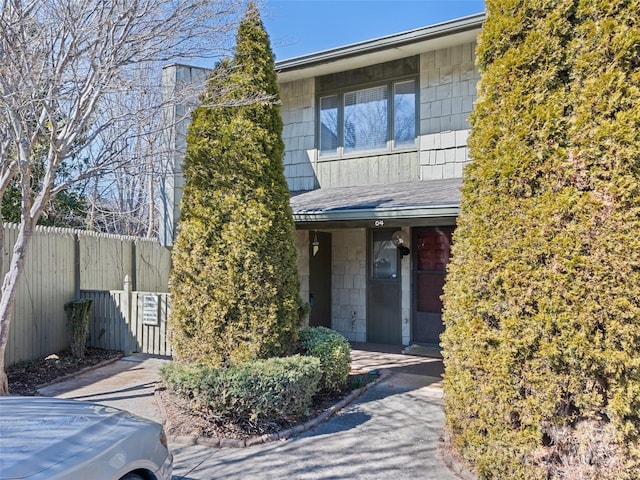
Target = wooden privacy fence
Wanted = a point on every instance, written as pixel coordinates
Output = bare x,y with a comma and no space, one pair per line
60,264
129,320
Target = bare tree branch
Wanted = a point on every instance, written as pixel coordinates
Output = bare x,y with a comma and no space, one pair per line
61,64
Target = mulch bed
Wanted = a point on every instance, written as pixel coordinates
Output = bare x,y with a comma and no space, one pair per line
25,377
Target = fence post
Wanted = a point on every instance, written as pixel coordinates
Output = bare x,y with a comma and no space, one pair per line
76,267
126,311
133,273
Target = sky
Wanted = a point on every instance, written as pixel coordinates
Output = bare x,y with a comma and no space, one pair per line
300,27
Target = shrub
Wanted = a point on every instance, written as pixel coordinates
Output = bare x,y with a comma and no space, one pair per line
333,351
251,392
234,281
541,302
78,318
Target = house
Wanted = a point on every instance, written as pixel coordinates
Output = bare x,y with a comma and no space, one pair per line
375,145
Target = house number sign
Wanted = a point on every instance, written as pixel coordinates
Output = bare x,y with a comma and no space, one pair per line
150,310
379,223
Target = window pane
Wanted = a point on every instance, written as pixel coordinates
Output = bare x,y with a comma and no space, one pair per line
404,114
329,124
385,259
365,119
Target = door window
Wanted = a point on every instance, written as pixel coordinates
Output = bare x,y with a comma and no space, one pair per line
434,250
384,258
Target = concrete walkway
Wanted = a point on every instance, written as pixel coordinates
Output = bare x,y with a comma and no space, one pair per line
128,384
391,431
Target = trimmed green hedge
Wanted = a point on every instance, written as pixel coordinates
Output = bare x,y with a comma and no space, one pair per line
249,392
334,353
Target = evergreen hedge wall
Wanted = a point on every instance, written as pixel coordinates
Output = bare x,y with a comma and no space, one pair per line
542,301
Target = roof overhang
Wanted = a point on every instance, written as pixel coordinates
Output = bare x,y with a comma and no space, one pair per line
395,204
381,50
441,215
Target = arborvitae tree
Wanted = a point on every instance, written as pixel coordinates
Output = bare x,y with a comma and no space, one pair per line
542,301
234,284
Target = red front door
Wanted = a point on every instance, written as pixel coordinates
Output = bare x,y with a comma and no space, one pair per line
432,249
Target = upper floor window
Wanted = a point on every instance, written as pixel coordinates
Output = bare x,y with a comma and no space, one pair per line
381,114
404,113
365,119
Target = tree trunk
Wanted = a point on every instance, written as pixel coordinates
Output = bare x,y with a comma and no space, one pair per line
9,290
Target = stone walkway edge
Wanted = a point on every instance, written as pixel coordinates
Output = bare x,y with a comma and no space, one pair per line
216,442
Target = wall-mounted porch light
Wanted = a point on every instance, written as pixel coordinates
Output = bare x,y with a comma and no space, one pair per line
315,244
400,240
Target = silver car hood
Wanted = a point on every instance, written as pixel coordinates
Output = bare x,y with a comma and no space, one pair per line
37,433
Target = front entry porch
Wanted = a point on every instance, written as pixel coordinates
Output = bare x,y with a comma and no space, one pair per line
359,284
351,267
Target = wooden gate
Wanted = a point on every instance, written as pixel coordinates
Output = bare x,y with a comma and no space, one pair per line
129,321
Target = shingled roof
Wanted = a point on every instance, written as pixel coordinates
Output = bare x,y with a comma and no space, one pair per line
433,198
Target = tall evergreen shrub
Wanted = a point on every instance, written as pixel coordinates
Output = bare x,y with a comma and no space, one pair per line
234,281
542,301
